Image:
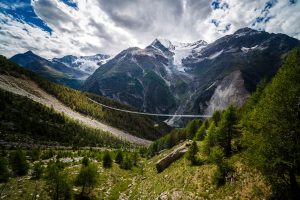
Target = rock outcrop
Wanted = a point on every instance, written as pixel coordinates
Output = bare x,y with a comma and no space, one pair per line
165,162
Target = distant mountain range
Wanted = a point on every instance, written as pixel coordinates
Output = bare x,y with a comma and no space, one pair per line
174,77
68,70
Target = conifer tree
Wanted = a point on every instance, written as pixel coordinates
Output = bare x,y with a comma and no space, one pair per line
272,129
191,154
119,157
227,129
18,163
107,161
4,173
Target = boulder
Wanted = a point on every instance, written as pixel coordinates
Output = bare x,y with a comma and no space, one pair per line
163,163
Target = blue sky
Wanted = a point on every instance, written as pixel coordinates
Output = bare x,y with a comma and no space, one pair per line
54,28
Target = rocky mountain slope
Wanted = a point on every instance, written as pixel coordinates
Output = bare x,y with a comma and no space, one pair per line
151,79
191,78
68,70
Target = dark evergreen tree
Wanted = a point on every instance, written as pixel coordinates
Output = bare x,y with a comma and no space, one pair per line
119,157
191,154
85,161
227,129
19,163
107,161
59,185
210,139
192,128
272,129
4,173
87,179
201,132
127,163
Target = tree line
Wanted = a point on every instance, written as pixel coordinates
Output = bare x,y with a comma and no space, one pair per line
265,132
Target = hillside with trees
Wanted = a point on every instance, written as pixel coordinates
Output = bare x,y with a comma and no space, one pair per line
141,126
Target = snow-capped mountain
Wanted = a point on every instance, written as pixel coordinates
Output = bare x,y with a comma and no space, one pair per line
86,64
68,70
179,50
191,78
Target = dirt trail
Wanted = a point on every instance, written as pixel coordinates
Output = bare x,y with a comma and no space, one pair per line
32,91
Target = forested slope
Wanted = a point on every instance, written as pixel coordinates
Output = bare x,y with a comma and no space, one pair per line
140,126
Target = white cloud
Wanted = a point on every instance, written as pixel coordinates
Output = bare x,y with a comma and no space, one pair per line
110,26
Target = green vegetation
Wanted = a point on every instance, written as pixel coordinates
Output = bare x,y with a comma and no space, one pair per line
192,152
272,129
264,132
141,126
37,170
58,183
22,117
19,164
4,173
107,161
119,157
87,179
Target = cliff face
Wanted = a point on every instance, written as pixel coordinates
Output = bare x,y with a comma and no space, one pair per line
230,90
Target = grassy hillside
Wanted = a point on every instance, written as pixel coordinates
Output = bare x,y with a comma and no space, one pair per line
179,181
141,126
25,121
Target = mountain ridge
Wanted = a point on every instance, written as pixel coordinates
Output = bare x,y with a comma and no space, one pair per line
185,79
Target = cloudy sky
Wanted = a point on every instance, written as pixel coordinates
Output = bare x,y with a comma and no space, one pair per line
53,28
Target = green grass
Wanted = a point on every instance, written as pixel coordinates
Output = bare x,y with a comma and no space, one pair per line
179,181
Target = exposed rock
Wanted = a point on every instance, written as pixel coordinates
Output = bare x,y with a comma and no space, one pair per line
230,90
163,163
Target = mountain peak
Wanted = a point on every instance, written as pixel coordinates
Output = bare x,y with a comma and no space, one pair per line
244,30
158,42
29,53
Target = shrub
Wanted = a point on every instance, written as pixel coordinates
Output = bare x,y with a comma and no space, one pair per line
18,163
119,157
107,161
37,170
4,173
127,163
85,161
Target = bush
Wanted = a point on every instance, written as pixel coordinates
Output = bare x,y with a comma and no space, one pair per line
127,163
37,170
135,159
119,157
35,154
218,177
107,161
4,173
85,161
19,164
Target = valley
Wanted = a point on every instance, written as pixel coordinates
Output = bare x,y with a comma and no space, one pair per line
29,89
